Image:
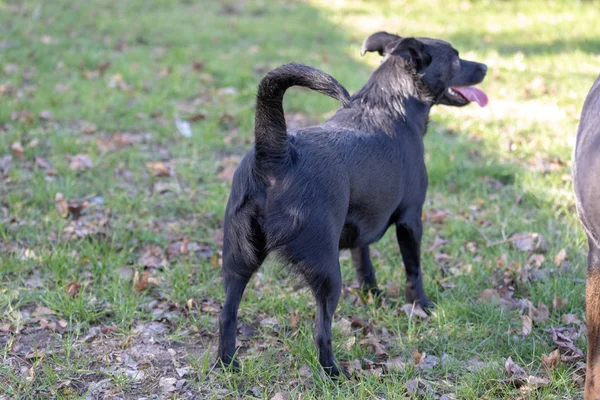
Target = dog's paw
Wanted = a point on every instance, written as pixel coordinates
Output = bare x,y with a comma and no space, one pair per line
421,299
426,304
333,369
335,372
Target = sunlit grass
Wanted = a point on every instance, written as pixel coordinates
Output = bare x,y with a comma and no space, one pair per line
496,171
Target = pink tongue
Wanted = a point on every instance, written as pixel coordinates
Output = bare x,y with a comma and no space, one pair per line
471,93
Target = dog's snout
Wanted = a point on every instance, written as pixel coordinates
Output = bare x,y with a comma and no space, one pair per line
476,72
482,72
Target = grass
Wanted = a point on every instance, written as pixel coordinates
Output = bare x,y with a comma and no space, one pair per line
76,321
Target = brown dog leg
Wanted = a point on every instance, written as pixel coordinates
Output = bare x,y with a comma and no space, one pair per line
592,311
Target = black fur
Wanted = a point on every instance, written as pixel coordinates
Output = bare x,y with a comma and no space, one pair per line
307,194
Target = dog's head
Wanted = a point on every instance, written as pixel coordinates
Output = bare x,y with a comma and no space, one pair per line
448,78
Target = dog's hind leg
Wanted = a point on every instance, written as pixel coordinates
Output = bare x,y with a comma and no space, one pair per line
409,230
361,258
592,305
238,268
316,256
326,285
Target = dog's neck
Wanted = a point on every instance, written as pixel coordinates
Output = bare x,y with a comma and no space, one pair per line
393,92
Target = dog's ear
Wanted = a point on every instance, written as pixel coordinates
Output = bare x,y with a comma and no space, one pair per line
413,51
379,42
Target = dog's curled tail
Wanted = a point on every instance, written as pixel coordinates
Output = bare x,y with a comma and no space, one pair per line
270,129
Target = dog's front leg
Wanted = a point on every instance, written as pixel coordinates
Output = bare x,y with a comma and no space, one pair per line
361,258
408,231
592,306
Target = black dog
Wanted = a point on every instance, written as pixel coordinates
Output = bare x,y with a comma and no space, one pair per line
586,181
307,194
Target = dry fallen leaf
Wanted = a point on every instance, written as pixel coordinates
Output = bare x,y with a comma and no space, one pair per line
551,360
529,241
140,283
396,364
579,375
349,344
471,247
559,304
17,149
417,357
428,361
88,127
279,396
534,382
437,216
541,313
376,344
117,81
417,388
560,257
73,289
537,260
213,309
294,319
513,368
44,164
564,338
41,310
61,205
570,319
343,326
46,115
488,294
352,367
167,384
304,371
93,333
81,162
526,325
437,242
159,168
152,257
414,309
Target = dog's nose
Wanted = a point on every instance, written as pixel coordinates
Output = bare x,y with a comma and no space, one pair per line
484,68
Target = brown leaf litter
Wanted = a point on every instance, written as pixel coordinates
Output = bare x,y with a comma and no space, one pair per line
81,162
518,378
